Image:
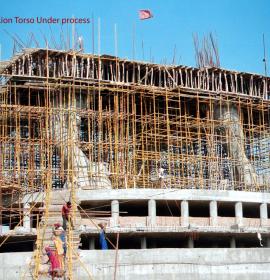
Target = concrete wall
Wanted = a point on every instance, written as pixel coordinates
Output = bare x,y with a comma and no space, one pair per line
188,264
14,265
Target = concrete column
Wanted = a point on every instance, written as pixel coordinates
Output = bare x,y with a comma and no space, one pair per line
264,214
115,212
190,242
184,213
239,213
26,216
92,243
143,242
213,213
152,211
232,242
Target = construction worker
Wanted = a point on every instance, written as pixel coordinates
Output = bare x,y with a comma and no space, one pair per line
102,237
59,245
66,215
161,176
63,238
59,231
55,269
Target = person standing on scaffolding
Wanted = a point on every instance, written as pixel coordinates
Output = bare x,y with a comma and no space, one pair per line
102,237
161,176
66,215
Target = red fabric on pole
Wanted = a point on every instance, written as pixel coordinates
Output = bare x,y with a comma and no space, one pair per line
145,14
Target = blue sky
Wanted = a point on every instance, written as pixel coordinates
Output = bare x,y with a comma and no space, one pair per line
237,24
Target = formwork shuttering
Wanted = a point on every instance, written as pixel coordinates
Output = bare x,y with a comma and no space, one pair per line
101,121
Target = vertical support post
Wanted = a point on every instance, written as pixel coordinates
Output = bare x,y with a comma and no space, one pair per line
115,212
152,212
92,243
116,256
184,213
232,242
143,242
26,216
264,214
239,213
213,213
190,242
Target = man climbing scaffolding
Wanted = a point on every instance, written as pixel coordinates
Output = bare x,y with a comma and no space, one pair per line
66,215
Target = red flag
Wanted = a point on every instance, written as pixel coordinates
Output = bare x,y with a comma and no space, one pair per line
145,14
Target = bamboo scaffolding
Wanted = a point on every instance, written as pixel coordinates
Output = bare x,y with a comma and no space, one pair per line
128,119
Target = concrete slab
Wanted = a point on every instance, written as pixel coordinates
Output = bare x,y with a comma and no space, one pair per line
163,194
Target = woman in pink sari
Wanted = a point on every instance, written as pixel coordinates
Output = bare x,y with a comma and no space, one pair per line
55,268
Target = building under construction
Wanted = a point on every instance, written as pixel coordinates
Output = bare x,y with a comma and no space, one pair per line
174,160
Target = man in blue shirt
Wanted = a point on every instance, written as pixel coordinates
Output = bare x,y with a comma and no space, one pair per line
102,237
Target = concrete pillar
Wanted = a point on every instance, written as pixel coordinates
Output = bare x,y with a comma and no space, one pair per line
92,243
143,243
190,242
213,213
115,212
184,213
239,213
264,214
152,211
26,216
232,242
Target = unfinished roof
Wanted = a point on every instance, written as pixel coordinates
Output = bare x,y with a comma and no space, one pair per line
69,64
54,52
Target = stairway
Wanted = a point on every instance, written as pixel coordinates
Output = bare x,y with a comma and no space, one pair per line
57,200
